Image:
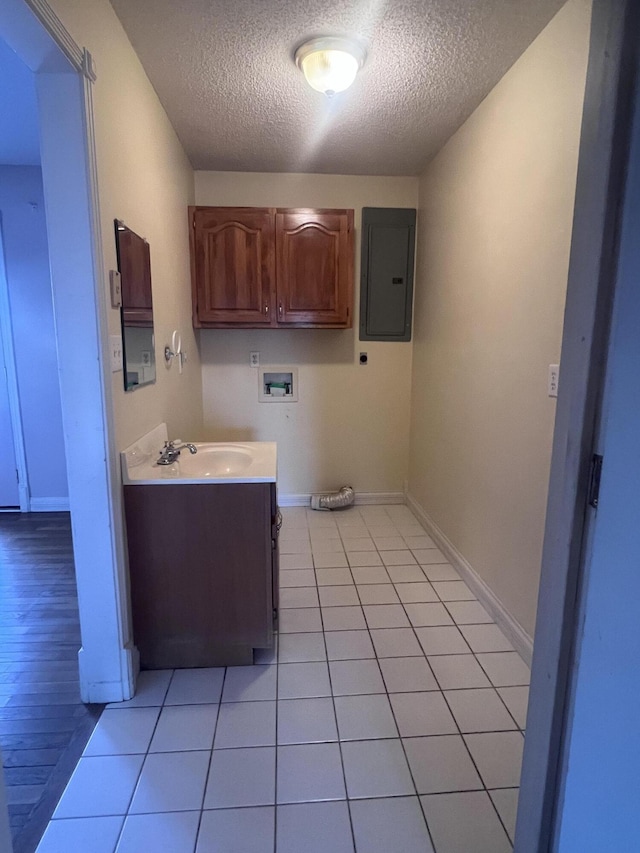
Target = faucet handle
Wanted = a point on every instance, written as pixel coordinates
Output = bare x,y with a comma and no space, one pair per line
172,443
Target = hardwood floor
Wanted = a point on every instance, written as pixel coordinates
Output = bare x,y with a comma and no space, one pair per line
43,725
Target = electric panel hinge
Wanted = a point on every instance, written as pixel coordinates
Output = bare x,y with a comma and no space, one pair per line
594,480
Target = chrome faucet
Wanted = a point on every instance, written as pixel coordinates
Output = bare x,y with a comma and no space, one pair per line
170,452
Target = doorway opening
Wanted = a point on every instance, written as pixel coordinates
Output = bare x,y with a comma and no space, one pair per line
44,724
87,552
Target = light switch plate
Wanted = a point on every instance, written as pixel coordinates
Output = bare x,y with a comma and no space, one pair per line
115,352
115,283
553,379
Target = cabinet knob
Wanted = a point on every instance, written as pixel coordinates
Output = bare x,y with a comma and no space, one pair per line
280,309
266,307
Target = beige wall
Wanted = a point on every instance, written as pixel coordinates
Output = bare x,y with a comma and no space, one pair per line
146,180
494,231
351,424
495,218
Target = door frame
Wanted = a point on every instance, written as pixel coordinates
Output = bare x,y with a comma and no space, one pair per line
65,75
603,157
8,351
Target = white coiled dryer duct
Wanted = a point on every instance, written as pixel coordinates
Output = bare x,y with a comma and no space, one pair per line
345,497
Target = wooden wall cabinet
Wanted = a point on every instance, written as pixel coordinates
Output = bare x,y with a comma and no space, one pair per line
203,568
271,267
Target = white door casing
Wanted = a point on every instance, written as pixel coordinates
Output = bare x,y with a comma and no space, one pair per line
64,79
600,778
14,486
9,496
592,283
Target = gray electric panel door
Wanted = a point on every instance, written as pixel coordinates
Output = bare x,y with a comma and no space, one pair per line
386,285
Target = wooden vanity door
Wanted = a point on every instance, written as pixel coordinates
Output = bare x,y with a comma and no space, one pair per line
314,262
233,266
201,585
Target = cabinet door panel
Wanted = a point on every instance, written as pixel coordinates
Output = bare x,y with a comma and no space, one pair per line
314,250
203,580
233,265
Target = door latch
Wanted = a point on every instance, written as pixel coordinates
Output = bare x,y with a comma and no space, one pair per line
594,480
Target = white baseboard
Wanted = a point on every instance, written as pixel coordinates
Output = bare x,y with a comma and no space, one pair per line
362,498
521,641
102,692
49,505
294,500
378,498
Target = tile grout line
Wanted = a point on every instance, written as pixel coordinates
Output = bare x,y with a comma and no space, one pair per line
399,737
335,716
339,696
145,754
277,740
395,720
213,742
306,802
402,739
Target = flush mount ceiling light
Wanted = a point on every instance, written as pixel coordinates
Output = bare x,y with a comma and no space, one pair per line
330,64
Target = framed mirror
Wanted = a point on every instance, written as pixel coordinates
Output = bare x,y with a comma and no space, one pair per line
134,265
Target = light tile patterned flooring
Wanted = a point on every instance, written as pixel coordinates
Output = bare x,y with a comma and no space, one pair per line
389,721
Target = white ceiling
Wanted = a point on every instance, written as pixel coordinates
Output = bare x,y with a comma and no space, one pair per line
19,138
224,72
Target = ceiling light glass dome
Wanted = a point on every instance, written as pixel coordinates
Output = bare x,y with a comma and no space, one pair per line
330,65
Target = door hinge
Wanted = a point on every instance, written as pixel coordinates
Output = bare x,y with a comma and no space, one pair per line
594,480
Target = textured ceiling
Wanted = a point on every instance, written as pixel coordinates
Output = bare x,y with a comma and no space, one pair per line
224,72
19,137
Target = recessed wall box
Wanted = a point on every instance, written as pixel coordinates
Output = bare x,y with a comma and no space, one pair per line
278,385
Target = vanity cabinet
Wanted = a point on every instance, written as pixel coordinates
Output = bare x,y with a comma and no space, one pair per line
203,566
271,267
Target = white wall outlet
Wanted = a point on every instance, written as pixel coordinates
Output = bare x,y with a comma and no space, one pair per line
553,379
115,352
254,359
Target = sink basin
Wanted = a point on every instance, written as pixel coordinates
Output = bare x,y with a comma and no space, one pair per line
214,462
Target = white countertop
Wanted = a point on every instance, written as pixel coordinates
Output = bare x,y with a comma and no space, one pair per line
214,462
